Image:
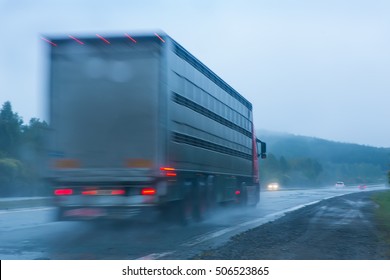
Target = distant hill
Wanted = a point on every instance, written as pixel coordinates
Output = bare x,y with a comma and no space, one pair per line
290,145
352,163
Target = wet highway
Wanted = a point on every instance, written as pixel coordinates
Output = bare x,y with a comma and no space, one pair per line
32,234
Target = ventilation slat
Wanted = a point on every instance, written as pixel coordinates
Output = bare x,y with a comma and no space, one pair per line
206,112
192,141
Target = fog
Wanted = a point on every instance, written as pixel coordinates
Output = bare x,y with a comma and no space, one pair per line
315,68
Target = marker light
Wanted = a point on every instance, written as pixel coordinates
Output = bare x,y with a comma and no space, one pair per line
131,38
50,42
103,39
168,171
63,192
158,36
77,40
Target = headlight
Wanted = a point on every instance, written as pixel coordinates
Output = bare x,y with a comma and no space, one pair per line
273,186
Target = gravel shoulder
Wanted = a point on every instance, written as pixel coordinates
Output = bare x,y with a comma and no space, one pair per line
341,228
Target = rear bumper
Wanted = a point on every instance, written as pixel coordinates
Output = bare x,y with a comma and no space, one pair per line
106,200
85,213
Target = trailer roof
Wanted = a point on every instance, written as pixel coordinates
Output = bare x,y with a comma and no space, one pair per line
158,38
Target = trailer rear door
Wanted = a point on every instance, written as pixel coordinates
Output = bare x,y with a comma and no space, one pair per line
104,103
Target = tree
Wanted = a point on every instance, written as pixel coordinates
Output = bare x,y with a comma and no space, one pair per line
11,173
388,176
284,166
22,151
10,130
33,133
32,150
312,169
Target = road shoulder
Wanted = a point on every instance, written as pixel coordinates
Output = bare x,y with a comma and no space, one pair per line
339,228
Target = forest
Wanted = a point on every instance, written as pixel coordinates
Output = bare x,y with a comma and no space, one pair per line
307,161
22,151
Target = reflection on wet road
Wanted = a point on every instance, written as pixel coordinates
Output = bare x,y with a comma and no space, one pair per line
31,234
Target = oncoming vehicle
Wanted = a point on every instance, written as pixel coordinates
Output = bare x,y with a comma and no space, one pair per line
339,184
137,122
273,186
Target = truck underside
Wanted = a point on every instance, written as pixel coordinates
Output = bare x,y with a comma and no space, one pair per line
177,195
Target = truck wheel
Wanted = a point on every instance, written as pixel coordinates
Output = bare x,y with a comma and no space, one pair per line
166,212
201,201
257,197
254,196
184,210
243,197
59,214
211,194
211,200
179,211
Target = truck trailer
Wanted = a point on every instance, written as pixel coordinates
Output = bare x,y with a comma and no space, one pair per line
138,123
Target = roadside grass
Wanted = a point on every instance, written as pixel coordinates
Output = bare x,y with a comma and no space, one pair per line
382,214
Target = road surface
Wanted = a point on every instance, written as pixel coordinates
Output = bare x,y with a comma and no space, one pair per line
32,234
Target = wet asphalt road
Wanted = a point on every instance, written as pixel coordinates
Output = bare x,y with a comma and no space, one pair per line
340,228
31,233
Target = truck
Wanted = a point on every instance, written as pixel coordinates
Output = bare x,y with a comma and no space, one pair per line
137,123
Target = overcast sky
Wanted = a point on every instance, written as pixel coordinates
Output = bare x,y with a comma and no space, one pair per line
315,68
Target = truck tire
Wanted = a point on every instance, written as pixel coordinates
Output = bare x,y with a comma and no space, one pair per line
211,194
200,200
178,212
243,197
185,210
59,214
256,197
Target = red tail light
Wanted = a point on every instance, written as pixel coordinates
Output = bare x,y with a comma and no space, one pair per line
148,191
118,192
89,192
237,192
63,192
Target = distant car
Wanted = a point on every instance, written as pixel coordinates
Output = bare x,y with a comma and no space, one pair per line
339,184
273,186
362,187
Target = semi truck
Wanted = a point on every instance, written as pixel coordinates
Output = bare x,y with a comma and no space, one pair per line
138,123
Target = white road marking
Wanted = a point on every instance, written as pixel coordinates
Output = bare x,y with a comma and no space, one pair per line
156,256
255,222
20,210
